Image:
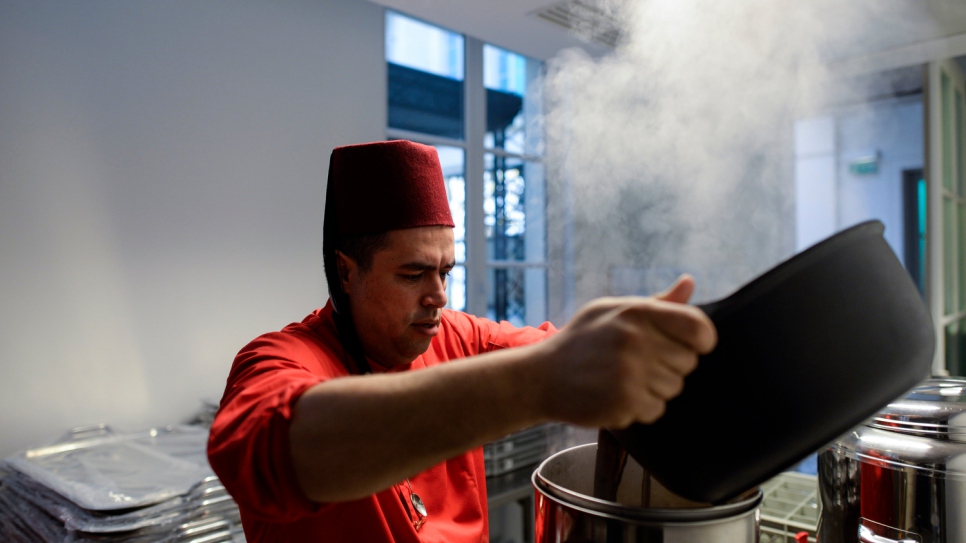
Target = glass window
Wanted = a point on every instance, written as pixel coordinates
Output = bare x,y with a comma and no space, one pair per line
960,145
947,129
453,160
517,294
425,77
514,219
504,71
962,257
514,200
424,47
505,76
506,300
949,256
956,348
953,219
504,192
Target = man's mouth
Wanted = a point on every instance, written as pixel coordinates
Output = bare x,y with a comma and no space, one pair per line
429,327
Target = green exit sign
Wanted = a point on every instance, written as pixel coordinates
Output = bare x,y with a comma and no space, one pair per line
865,165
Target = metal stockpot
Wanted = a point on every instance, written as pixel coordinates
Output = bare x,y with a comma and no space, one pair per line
566,510
901,477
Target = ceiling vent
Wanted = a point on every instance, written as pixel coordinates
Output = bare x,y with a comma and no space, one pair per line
584,19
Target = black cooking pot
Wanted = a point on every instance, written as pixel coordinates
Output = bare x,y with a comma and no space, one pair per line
805,352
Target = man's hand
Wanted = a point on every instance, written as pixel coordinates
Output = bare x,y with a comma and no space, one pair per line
619,360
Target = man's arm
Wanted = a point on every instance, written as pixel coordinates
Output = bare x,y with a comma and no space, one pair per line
617,362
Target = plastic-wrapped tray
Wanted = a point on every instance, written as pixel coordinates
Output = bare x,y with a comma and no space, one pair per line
109,472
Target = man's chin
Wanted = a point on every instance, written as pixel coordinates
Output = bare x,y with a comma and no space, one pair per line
412,351
418,347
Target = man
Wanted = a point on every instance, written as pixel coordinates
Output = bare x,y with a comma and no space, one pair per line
351,426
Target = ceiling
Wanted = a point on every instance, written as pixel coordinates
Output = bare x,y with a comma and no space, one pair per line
510,24
897,24
514,25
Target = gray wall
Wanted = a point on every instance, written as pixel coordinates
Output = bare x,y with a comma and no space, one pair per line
162,176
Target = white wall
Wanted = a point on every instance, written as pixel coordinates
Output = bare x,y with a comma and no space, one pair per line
895,129
829,197
815,180
162,176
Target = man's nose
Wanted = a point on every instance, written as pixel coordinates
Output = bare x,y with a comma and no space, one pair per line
436,296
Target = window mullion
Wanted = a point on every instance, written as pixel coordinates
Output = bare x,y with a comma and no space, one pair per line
509,154
475,123
420,137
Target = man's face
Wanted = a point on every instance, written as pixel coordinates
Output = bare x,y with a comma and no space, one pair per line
397,304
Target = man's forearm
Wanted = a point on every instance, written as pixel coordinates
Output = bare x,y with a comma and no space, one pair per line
617,362
354,436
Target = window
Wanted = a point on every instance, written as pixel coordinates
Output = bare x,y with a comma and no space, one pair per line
946,194
452,161
953,225
425,66
475,103
513,191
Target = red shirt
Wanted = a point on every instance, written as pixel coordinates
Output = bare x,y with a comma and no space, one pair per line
249,449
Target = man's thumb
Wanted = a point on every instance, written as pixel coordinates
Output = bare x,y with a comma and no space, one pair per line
680,292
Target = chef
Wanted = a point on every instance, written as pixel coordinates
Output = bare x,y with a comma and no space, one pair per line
364,421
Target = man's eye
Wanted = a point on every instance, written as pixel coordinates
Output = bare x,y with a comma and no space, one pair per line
413,278
443,276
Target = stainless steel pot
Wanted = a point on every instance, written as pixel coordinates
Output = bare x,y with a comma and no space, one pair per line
566,510
902,475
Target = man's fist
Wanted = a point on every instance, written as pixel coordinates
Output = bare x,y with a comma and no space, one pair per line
620,360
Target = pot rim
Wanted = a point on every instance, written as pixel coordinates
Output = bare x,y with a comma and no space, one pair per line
604,508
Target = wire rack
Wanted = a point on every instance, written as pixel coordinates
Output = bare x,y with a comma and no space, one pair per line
524,448
790,506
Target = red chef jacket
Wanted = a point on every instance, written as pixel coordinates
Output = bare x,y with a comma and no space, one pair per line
249,449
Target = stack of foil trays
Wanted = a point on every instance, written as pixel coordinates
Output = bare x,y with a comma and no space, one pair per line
99,486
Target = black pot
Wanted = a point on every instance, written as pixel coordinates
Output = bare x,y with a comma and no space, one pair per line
805,352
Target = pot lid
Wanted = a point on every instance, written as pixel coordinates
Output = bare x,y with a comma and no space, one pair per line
936,408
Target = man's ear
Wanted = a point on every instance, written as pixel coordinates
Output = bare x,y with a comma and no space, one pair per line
348,270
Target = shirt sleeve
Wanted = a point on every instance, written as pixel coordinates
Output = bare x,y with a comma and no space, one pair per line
248,447
483,335
506,335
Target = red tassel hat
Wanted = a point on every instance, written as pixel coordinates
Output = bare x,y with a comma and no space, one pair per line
374,188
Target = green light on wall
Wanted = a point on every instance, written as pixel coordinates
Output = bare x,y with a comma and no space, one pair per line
865,164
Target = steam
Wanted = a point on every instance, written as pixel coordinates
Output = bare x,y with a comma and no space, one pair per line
678,147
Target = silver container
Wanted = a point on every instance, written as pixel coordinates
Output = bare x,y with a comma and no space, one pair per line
902,475
566,510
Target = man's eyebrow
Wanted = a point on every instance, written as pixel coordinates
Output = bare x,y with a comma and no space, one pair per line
422,266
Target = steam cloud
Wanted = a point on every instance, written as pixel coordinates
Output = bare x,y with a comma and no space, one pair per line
678,147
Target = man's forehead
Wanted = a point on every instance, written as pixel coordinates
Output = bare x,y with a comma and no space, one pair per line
421,235
426,245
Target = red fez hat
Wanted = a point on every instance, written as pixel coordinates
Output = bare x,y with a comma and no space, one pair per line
386,185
